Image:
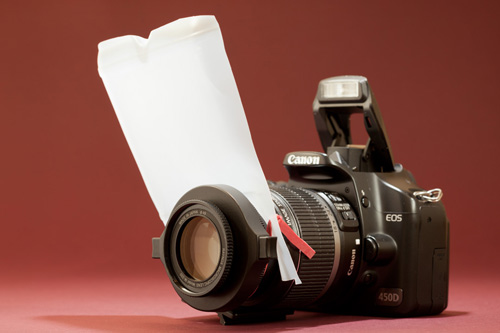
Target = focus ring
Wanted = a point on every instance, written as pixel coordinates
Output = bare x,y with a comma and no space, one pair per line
315,228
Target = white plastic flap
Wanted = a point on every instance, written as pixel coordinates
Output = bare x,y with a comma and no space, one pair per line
177,102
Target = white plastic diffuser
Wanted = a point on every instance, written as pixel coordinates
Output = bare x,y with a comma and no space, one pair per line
177,102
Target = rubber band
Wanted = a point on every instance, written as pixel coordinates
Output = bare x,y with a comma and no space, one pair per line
292,237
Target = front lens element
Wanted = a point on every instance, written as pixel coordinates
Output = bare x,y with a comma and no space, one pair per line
200,248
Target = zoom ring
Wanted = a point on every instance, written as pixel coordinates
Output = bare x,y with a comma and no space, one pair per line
314,228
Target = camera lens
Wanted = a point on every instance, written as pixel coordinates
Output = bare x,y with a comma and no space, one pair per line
316,217
200,248
220,257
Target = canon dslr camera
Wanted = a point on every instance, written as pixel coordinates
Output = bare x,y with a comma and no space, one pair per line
381,241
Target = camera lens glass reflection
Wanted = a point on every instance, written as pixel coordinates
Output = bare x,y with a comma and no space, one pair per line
200,248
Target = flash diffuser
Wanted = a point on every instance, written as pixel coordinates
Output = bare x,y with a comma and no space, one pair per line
180,139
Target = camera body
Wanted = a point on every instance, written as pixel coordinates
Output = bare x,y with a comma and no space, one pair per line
400,265
382,242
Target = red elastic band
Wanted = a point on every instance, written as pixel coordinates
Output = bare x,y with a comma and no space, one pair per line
298,242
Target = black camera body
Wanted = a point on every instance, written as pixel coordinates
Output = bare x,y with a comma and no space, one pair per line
381,242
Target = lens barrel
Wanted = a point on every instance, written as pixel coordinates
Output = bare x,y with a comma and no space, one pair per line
303,211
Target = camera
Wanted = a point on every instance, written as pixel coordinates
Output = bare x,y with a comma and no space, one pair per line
381,241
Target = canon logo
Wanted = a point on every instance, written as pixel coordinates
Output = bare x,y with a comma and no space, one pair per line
353,261
307,160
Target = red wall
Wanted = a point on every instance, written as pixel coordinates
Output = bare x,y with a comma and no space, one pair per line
72,200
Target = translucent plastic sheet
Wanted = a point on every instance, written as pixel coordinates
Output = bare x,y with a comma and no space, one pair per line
178,105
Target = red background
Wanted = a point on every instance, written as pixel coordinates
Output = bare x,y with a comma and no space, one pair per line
76,218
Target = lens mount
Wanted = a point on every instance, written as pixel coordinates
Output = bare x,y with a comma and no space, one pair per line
200,248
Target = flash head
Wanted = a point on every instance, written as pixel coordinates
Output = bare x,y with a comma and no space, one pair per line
337,98
342,89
